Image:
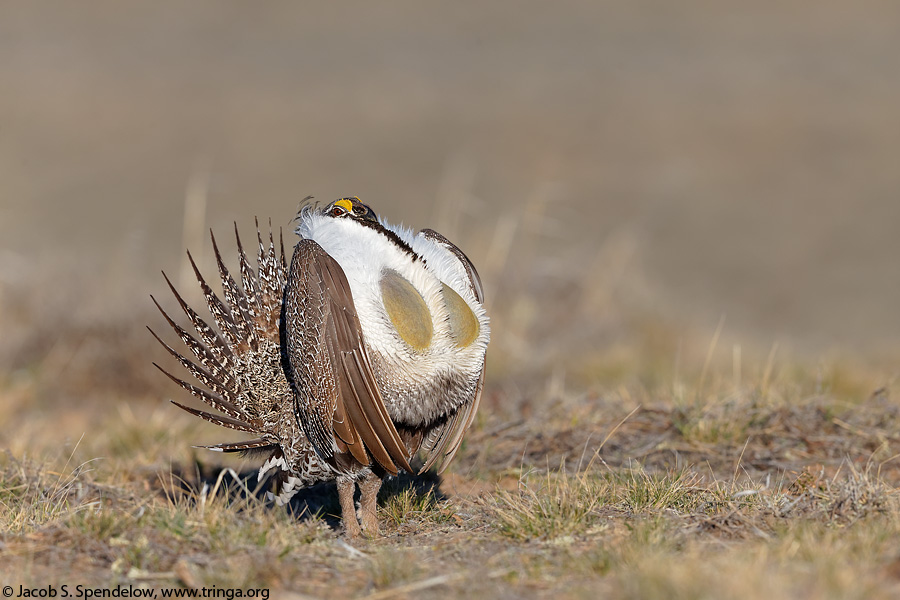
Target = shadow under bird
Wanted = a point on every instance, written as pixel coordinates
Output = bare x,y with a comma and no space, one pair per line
365,351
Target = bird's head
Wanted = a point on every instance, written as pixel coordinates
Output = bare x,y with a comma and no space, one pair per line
350,208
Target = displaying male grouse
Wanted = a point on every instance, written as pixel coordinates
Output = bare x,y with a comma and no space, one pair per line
367,350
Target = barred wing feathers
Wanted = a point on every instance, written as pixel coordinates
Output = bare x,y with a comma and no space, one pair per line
337,401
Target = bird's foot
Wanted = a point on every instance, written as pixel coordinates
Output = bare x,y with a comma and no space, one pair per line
368,504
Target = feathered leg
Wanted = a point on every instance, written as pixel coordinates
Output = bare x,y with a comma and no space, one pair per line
346,488
368,501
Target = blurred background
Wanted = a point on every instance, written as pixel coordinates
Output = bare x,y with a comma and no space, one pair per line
625,175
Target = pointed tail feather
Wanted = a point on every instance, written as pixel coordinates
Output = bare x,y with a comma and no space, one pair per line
250,283
271,278
202,375
215,371
237,301
221,314
238,359
214,342
217,419
248,446
211,399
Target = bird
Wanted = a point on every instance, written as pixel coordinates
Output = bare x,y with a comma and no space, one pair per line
364,351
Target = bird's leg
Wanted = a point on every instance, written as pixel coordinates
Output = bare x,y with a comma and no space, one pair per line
346,487
368,500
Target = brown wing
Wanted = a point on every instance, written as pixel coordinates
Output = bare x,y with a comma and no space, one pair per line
337,401
443,441
474,278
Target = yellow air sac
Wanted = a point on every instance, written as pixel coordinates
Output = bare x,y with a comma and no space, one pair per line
407,310
463,324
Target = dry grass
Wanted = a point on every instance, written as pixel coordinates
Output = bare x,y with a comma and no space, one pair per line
631,485
653,466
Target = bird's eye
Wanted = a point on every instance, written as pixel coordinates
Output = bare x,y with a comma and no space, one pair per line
337,211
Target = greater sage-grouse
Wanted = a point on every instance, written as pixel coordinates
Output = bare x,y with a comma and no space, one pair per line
367,350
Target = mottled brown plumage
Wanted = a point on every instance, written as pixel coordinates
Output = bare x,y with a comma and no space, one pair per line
333,383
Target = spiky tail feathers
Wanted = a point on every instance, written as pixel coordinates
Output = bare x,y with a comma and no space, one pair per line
237,363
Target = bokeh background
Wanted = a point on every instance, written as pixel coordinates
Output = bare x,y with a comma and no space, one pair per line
625,175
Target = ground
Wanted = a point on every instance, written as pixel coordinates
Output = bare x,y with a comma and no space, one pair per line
777,483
